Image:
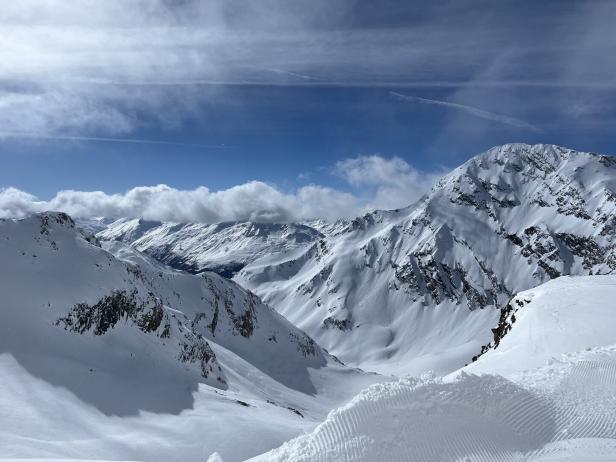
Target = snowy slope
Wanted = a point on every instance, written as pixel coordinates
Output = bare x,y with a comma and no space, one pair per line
107,354
563,315
522,406
224,248
421,288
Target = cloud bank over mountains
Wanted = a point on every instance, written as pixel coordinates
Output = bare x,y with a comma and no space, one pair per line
374,182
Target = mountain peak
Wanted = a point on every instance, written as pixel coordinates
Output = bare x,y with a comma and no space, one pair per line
543,158
520,157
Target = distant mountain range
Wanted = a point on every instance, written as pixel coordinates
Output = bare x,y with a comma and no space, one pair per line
392,289
224,248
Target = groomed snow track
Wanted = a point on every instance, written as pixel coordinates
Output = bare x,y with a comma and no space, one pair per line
586,401
567,413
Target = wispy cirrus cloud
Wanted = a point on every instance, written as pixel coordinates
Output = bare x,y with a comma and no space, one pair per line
477,112
100,139
78,56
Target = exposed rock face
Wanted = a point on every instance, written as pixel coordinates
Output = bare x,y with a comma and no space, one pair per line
147,315
505,322
437,274
108,311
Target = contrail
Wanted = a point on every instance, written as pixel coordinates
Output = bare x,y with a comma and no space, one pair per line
469,109
293,74
97,139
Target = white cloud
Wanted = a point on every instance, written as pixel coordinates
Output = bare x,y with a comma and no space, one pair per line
376,182
17,204
388,183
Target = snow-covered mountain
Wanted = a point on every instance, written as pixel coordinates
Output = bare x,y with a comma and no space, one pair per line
545,393
224,248
422,287
133,355
107,353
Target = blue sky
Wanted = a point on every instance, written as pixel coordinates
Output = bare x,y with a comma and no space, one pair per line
109,96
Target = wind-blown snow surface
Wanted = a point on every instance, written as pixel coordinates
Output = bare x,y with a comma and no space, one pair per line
534,409
421,288
107,354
